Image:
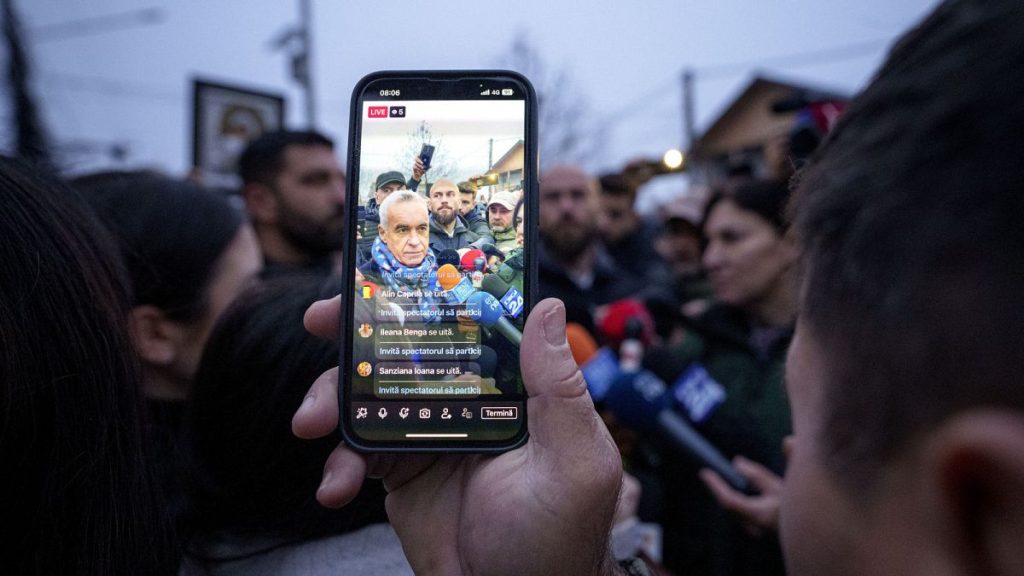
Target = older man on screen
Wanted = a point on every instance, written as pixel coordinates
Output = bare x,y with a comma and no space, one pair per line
401,258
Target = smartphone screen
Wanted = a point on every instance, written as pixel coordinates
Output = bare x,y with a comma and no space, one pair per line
442,197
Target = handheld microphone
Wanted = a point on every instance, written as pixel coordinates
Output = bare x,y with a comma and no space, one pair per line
458,288
468,261
581,343
510,298
448,256
485,310
613,318
640,400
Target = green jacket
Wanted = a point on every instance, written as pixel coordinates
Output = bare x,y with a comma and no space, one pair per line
752,420
511,269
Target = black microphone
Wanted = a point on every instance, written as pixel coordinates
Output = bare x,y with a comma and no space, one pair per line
510,298
448,257
640,401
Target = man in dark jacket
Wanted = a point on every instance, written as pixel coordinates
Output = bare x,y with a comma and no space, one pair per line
572,264
448,231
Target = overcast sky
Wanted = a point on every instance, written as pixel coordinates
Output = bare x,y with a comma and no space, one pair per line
131,85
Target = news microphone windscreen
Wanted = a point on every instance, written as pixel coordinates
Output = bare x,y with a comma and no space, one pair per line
581,343
637,398
484,309
613,319
448,256
494,285
448,276
469,259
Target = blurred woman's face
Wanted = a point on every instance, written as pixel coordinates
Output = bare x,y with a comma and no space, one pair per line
746,258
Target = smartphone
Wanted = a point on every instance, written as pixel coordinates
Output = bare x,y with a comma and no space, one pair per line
429,355
426,153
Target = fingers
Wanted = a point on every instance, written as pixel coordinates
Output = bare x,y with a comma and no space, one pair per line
765,480
343,477
758,513
323,318
317,416
727,497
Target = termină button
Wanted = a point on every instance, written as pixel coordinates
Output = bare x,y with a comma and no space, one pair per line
500,413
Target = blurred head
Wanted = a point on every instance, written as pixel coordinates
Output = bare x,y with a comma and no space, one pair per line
618,217
254,477
444,201
295,193
405,227
467,197
500,210
568,211
83,500
904,376
679,241
387,183
188,253
748,255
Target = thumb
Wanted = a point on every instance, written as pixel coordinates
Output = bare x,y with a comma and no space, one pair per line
560,412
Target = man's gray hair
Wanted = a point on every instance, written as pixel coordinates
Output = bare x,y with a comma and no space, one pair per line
397,198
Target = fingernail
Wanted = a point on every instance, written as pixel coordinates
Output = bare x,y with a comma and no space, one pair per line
554,327
307,403
325,482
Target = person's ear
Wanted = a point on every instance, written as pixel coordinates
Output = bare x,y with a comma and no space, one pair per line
383,233
978,464
157,339
261,202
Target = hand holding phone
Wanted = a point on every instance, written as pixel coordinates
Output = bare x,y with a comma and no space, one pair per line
426,155
437,505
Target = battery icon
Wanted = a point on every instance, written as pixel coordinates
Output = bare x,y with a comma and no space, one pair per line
506,92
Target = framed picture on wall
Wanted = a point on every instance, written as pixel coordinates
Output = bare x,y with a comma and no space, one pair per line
225,119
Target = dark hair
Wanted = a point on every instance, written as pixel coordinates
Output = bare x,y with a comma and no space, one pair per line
78,494
263,159
616,184
254,476
172,234
909,220
769,199
517,213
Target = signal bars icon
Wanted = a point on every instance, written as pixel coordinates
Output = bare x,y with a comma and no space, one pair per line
486,92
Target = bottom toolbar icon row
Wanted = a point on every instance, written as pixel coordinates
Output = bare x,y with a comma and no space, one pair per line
485,413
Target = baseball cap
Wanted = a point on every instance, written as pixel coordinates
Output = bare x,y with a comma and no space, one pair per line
687,208
389,177
506,199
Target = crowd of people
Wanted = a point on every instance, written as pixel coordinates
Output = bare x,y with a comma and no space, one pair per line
846,335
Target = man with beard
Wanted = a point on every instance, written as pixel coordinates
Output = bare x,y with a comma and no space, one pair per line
294,191
572,264
473,213
499,216
448,231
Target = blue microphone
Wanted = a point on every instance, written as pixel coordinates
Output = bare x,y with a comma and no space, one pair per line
640,400
510,298
486,311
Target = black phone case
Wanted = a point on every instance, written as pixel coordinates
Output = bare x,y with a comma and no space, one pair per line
426,155
530,190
